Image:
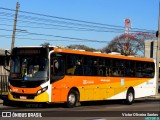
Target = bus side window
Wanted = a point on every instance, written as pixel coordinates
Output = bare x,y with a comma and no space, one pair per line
115,67
108,67
139,69
71,70
148,70
129,68
90,66
52,66
95,71
108,71
74,65
57,65
115,72
102,67
79,68
70,66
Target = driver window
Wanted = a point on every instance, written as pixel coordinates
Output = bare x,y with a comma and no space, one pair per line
57,64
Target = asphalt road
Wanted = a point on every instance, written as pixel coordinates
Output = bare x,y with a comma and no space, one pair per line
101,110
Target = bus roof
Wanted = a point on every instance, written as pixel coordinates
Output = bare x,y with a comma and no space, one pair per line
83,52
28,47
62,50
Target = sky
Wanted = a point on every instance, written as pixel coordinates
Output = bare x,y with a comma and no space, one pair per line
93,23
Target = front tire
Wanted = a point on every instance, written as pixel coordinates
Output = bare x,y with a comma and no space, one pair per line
130,97
72,98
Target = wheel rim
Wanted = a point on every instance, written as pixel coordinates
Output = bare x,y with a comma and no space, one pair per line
72,99
130,97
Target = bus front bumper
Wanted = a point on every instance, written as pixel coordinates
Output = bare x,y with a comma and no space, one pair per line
43,97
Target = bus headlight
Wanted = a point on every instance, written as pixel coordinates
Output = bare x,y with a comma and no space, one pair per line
10,90
42,90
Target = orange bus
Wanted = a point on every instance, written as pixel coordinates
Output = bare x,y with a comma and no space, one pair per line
53,75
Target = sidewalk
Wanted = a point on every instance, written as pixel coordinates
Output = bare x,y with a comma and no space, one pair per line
156,97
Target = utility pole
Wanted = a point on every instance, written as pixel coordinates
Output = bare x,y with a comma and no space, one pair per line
158,52
126,33
14,28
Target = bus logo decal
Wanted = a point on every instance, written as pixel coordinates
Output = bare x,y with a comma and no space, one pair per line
88,82
122,82
105,80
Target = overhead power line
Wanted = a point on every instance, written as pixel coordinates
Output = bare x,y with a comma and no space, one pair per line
69,25
52,26
64,37
28,21
59,17
44,26
68,19
39,39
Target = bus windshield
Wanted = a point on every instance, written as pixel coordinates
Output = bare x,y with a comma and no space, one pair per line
29,68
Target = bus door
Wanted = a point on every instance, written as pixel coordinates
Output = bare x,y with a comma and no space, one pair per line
57,72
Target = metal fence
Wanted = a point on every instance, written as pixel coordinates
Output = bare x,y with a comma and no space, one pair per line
3,85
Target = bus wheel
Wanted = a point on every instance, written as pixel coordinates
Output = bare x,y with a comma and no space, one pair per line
130,97
72,99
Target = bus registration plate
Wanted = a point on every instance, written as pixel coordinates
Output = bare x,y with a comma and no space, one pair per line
23,97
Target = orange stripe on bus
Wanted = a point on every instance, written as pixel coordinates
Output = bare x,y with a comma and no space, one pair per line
25,90
93,88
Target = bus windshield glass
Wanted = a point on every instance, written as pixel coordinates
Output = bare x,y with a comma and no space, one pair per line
29,67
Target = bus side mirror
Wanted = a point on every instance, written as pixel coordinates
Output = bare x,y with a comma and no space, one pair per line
6,60
7,53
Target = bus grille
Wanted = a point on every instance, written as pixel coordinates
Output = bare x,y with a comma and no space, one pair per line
19,95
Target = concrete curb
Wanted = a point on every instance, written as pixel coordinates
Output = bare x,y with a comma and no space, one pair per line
154,97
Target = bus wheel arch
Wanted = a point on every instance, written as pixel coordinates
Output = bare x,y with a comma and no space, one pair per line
73,97
130,96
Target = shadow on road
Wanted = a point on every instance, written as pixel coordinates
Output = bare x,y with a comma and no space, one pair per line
62,105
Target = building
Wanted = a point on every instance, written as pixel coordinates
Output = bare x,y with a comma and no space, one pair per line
150,49
151,52
2,59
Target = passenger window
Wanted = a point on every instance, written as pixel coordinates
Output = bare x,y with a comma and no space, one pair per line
129,68
108,67
57,64
118,67
149,70
74,65
102,67
90,66
139,69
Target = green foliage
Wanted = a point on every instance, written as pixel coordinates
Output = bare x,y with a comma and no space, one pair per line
83,47
45,44
127,44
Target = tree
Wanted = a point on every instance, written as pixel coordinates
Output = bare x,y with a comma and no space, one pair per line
45,44
128,44
83,47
